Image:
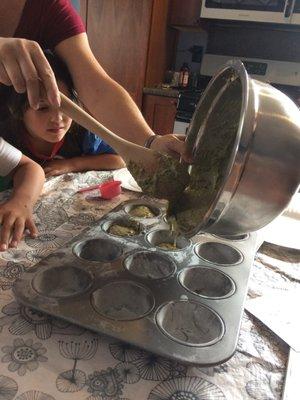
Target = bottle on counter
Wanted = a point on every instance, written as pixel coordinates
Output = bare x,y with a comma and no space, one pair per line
184,75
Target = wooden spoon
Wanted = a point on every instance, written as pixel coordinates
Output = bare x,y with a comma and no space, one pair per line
157,174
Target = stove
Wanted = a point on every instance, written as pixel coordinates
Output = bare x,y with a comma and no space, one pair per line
284,75
187,103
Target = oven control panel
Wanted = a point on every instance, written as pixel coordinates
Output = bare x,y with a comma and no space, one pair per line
280,72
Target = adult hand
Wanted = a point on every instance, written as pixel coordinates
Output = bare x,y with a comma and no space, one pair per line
173,144
15,217
58,167
24,66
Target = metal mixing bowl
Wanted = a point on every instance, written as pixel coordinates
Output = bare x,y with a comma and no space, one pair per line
262,170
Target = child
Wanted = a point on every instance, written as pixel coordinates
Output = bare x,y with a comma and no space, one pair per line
48,136
16,213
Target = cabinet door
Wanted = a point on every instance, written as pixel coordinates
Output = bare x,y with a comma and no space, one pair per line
160,113
185,12
118,33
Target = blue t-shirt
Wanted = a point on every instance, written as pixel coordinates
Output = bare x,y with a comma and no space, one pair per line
83,142
93,144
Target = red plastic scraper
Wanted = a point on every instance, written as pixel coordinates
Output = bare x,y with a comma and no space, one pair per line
106,190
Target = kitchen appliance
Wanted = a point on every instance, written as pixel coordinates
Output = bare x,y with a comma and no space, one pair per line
272,11
262,171
184,304
186,105
276,72
269,55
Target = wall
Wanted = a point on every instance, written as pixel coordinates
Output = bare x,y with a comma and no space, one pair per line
76,4
186,41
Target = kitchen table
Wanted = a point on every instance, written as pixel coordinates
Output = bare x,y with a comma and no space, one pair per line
44,358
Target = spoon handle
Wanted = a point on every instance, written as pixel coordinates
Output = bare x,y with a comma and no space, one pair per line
84,119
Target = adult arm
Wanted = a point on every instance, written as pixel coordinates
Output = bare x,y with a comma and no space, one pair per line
106,99
24,66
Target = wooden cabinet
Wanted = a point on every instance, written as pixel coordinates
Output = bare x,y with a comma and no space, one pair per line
159,112
131,40
185,12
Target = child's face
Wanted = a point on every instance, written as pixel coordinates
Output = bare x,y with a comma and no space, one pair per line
47,123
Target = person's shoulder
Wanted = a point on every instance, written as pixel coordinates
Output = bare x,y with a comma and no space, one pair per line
5,145
61,21
2,143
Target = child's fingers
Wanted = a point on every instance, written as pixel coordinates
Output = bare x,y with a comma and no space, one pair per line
18,231
50,171
30,225
6,231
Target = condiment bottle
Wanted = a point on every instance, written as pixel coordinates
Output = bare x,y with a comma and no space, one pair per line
184,75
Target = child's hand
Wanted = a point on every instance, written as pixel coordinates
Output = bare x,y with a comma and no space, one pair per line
15,217
58,167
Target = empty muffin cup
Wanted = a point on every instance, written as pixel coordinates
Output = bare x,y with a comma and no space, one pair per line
122,227
190,323
99,250
62,282
206,282
234,238
167,240
123,301
141,210
147,264
218,253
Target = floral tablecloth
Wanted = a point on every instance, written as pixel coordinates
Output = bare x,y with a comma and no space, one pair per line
44,358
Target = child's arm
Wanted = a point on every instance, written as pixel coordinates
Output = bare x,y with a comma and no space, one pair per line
16,213
84,163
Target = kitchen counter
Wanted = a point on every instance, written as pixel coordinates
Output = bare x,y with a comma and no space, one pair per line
161,92
50,359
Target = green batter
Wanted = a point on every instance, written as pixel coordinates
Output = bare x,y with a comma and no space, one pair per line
123,230
192,190
168,181
211,161
141,212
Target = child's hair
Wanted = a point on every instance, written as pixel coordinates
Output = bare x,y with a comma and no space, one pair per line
11,120
18,103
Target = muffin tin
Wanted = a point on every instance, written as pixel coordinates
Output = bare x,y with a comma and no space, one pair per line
185,304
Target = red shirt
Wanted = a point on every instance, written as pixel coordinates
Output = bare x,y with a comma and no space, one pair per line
49,22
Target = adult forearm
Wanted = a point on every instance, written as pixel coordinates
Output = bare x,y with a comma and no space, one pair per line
28,183
113,107
106,100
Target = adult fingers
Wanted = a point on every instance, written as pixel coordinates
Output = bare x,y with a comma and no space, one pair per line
18,231
30,225
4,78
47,77
25,67
176,145
180,136
14,74
31,78
173,145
